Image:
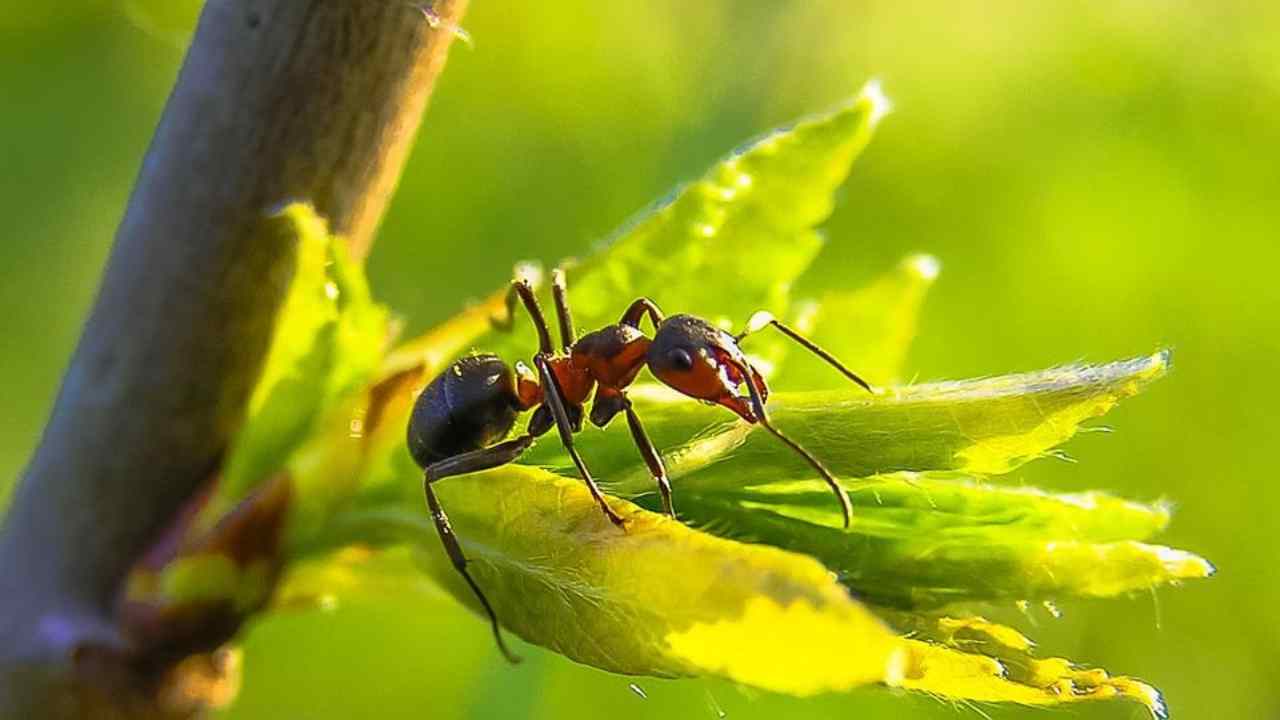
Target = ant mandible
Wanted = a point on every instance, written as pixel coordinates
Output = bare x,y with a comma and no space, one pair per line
460,417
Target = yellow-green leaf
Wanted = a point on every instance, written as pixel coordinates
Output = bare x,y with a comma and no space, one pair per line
285,400
562,576
329,339
981,426
970,658
732,241
925,542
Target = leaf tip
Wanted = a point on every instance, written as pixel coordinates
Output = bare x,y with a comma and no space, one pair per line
1180,564
923,267
301,219
873,95
1151,367
1162,360
1147,695
1155,703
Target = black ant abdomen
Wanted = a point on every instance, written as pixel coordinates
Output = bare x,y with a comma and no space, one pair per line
471,405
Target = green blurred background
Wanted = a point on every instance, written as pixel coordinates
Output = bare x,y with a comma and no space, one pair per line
1098,179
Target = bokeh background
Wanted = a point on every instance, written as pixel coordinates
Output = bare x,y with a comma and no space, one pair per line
1099,178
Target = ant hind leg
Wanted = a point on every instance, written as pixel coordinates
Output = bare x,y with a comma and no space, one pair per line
469,462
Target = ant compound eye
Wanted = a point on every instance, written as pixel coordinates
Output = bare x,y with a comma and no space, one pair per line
680,359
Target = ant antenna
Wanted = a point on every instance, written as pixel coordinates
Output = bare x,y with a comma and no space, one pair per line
757,404
763,318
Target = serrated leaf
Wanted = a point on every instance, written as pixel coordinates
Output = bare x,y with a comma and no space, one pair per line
361,332
981,426
956,675
562,576
972,658
729,243
928,542
285,400
329,339
924,541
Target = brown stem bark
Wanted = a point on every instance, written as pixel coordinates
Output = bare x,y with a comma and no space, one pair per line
276,100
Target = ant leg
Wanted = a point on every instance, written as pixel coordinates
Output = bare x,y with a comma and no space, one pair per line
454,551
638,309
757,404
477,460
651,458
522,290
763,318
553,398
560,294
474,461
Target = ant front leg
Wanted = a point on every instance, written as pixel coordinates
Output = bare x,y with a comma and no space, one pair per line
553,397
470,462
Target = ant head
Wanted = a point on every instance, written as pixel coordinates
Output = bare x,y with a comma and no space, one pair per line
704,362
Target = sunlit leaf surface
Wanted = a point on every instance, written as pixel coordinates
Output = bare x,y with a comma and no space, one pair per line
730,242
928,542
561,575
329,338
985,426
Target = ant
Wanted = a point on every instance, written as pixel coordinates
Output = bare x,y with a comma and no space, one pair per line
460,418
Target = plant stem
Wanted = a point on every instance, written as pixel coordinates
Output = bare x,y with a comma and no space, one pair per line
276,100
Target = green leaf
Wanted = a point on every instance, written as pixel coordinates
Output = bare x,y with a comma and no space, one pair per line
982,426
928,542
285,401
362,327
731,242
328,341
561,575
922,541
970,658
986,426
